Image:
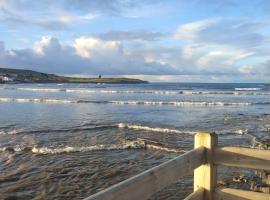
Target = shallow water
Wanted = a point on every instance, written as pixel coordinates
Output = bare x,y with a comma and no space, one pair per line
69,141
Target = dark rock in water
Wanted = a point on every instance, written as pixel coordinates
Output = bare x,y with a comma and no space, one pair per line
9,149
260,182
21,197
262,175
28,149
222,183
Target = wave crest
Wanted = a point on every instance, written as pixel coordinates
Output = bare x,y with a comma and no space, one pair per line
11,132
171,103
136,144
247,89
161,130
181,103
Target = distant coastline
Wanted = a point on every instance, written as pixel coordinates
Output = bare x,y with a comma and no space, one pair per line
8,75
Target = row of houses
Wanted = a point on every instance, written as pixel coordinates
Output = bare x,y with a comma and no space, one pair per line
7,77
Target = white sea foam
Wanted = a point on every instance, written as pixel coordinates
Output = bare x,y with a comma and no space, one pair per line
175,131
237,91
237,131
160,130
160,148
80,91
10,132
36,100
40,89
136,144
247,89
68,149
267,127
170,103
181,103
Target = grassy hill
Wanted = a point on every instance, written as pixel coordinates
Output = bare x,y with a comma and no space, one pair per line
29,76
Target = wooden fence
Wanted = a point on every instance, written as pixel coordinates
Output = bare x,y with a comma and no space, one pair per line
203,160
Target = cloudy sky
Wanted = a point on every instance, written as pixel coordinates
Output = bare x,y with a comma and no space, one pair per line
157,40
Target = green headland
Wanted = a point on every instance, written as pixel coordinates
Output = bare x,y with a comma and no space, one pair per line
8,75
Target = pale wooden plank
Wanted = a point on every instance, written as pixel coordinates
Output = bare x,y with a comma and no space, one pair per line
144,185
205,175
242,157
197,195
235,194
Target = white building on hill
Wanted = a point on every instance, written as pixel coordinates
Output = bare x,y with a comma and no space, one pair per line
6,78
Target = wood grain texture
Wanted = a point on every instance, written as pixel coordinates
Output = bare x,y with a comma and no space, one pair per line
242,157
205,175
197,195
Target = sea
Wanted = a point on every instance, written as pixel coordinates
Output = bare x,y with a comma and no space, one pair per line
69,141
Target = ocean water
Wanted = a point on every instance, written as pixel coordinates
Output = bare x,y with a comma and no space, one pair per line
68,141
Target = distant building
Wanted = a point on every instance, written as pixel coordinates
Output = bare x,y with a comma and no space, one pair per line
7,78
99,76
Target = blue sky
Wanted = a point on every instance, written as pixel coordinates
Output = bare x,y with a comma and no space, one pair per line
175,40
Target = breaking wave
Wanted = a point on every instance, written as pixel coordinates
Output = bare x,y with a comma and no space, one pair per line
182,103
137,144
36,100
247,89
175,131
41,89
237,132
171,103
10,132
121,126
237,91
160,130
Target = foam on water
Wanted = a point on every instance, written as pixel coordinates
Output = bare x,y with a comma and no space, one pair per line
181,103
121,126
247,89
175,131
127,145
237,132
41,89
36,100
240,92
10,132
136,144
79,91
267,127
160,148
172,103
237,91
160,130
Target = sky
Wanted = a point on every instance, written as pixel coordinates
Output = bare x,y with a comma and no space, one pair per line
155,40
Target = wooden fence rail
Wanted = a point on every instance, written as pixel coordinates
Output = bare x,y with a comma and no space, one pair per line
203,160
144,185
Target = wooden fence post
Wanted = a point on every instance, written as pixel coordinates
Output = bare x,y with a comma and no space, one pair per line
205,175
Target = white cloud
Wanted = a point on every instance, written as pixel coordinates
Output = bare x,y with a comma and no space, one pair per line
50,19
191,30
218,46
138,35
87,55
87,46
203,50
